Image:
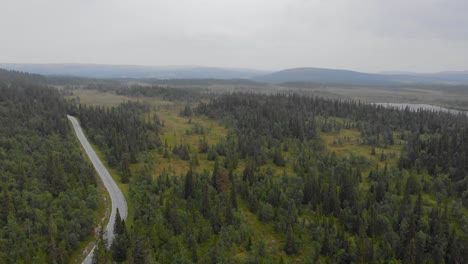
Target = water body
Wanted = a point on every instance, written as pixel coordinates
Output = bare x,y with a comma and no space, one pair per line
415,107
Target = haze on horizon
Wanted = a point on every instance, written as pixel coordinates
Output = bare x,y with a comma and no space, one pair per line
362,35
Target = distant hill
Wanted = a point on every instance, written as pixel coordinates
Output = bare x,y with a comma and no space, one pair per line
333,76
455,76
197,74
134,71
319,75
201,82
9,76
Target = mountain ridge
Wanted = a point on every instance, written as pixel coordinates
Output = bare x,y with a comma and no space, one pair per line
133,71
338,76
291,75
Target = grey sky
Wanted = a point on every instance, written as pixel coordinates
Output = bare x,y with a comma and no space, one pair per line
365,35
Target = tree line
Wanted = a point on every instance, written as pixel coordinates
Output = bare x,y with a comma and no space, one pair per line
48,191
328,210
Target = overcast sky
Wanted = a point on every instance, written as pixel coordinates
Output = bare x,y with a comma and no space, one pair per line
364,35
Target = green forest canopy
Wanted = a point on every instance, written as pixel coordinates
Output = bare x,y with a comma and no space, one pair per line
323,207
413,211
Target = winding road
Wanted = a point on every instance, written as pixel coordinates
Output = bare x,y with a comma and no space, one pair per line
117,198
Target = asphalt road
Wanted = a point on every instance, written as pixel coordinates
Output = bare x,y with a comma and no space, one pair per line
117,198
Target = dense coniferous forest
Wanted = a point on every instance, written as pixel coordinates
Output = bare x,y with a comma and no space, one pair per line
48,191
327,209
122,132
272,172
390,221
9,77
166,93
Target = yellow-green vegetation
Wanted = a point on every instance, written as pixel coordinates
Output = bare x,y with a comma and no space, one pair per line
123,186
318,205
265,232
98,98
181,130
176,130
348,142
349,194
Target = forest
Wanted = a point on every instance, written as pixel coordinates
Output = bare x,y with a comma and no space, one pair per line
231,177
48,190
274,164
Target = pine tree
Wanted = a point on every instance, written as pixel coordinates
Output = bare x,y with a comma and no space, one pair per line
119,223
410,253
249,244
138,249
206,206
290,247
100,254
125,168
119,247
233,196
166,150
188,185
121,241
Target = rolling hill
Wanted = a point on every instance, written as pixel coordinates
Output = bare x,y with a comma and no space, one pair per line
134,71
293,75
333,76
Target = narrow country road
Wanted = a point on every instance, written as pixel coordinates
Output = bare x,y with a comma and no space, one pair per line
117,198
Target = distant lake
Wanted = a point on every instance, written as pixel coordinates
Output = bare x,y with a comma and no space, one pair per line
414,107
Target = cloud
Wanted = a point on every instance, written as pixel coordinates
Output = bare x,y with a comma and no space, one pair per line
370,35
429,19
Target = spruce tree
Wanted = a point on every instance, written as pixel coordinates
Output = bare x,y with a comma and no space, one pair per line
188,185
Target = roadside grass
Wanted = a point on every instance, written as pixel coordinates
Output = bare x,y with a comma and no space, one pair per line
122,186
102,215
105,205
